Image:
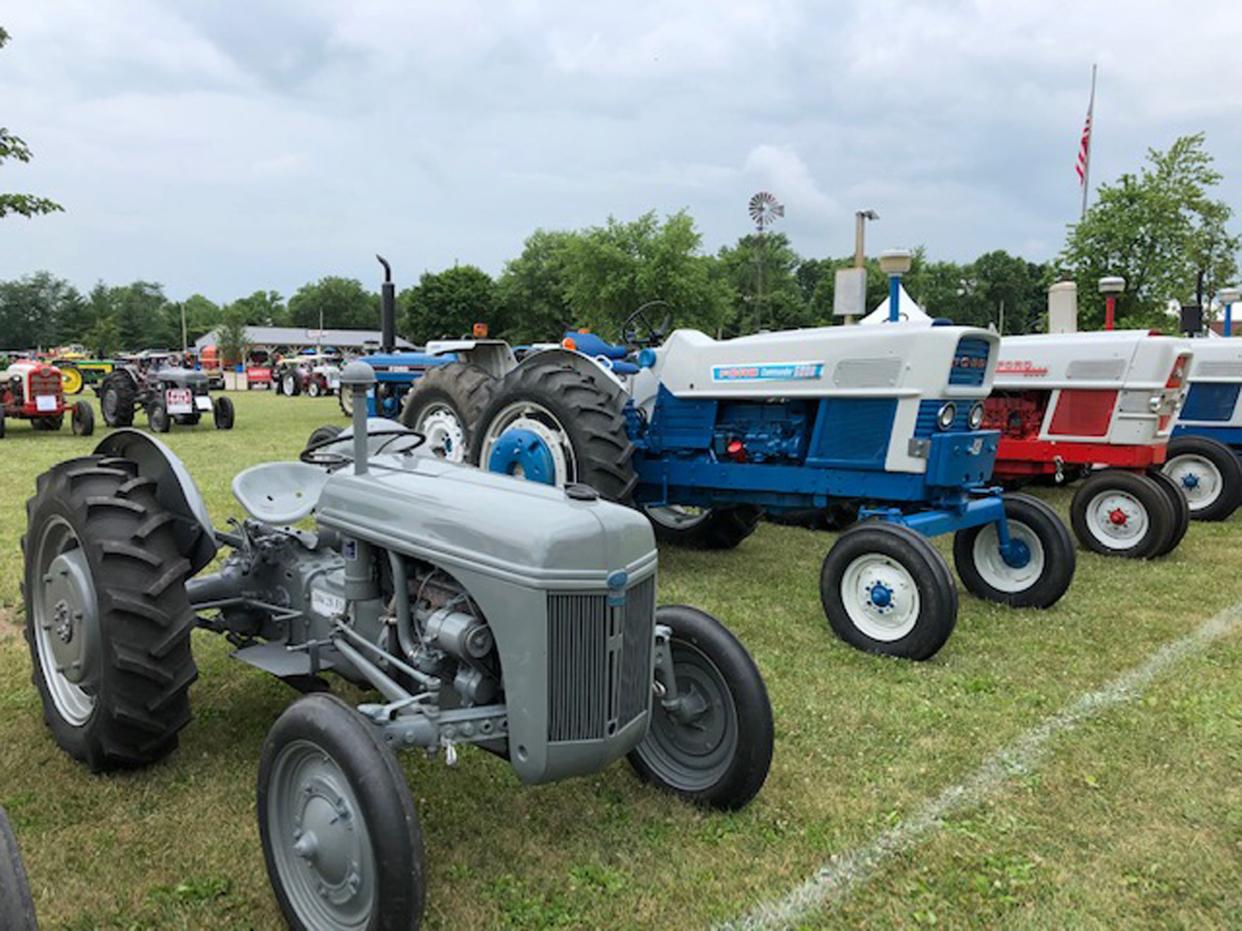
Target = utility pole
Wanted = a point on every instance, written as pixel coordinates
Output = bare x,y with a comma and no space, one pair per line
185,340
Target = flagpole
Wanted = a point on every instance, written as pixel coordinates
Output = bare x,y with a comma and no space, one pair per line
1086,165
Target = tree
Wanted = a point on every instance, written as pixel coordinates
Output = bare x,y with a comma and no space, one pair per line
765,291
33,309
11,146
265,308
1159,230
231,340
532,289
201,316
449,303
334,302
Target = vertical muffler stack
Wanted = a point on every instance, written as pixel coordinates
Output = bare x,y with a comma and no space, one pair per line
1063,307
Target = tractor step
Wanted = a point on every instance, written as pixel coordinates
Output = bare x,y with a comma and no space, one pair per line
279,660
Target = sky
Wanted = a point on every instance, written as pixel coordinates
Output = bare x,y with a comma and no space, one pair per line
227,147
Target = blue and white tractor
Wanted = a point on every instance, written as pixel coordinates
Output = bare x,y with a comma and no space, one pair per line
703,435
1207,437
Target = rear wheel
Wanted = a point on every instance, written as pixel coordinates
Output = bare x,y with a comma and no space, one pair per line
222,413
886,590
711,743
1037,570
1209,474
704,528
446,404
71,381
16,907
1181,509
345,398
107,617
116,400
557,425
340,835
1119,513
1,423
83,420
291,384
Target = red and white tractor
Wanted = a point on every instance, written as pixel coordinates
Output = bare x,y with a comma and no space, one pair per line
1098,407
32,390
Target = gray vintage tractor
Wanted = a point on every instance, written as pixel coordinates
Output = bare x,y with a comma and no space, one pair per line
517,617
167,391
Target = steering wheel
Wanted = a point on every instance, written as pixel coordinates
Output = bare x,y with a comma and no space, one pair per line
315,454
650,335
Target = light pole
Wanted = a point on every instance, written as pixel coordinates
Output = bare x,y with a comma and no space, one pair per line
1110,288
894,263
1229,297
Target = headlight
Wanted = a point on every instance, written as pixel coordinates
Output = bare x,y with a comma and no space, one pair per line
1154,402
976,416
946,415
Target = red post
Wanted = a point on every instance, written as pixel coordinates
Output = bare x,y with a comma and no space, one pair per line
1110,308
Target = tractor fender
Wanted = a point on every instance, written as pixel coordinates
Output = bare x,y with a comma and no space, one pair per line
175,490
587,365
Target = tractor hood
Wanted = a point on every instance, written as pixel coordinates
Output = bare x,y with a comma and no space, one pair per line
508,528
187,378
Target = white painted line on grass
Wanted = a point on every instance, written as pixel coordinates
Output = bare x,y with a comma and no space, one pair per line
844,873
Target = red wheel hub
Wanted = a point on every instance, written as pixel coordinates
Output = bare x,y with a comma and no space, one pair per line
1117,516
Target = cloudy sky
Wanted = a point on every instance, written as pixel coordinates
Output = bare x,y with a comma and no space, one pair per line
230,146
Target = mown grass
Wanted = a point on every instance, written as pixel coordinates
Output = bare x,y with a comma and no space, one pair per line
1136,818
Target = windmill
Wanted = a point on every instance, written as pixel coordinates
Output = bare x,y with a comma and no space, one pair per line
765,210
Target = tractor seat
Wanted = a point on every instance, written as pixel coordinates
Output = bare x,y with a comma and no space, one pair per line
280,492
591,345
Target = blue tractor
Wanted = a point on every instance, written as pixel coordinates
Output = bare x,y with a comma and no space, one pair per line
704,435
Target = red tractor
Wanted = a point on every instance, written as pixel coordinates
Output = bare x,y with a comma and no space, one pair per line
1097,407
31,390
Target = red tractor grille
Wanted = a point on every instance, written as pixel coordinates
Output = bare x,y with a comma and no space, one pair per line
44,381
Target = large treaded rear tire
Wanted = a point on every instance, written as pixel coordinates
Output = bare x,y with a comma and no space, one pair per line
117,398
460,388
721,528
140,697
16,907
587,415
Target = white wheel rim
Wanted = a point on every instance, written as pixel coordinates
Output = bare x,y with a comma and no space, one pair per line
677,516
1117,519
1198,478
73,703
289,384
445,435
313,389
526,415
888,622
991,565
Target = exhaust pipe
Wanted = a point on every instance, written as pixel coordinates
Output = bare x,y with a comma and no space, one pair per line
388,309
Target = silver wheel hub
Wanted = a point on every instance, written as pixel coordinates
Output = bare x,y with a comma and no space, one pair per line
1199,480
526,415
880,597
1117,519
444,431
66,623
677,516
991,565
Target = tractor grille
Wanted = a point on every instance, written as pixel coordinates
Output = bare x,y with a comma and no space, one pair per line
42,382
970,362
599,661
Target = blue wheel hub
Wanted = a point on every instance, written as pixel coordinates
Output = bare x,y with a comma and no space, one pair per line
1190,480
1016,555
523,453
881,595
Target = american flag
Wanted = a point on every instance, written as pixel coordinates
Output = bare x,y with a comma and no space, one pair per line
1084,150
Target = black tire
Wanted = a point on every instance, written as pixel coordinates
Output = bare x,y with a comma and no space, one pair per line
83,419
16,907
921,565
222,413
588,416
1039,584
187,420
1148,506
291,384
713,529
1181,509
1,424
326,432
117,399
1222,465
276,386
48,424
136,665
710,661
157,418
313,388
345,400
378,798
459,388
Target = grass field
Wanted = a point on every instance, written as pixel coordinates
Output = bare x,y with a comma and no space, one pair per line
1133,819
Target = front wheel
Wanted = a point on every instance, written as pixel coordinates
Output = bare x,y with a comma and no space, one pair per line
340,835
703,528
1209,474
1119,513
711,743
1036,570
886,590
222,413
83,419
16,907
158,419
